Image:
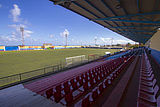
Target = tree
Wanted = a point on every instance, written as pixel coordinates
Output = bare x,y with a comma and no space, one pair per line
128,44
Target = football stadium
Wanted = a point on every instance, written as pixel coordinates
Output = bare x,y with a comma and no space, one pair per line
82,71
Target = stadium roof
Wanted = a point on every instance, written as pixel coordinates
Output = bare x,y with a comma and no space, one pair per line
137,20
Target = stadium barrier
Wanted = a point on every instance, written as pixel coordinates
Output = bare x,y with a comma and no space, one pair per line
19,48
31,75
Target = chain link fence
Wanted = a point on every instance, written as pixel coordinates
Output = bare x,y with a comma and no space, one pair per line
26,76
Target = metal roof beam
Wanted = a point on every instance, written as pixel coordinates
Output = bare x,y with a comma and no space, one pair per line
98,10
61,1
140,31
138,6
133,21
135,33
91,13
107,6
125,27
133,15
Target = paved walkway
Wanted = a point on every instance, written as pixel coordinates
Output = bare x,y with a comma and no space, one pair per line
131,92
116,95
18,96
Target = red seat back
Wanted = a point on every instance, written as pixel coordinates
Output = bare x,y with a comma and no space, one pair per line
95,95
69,98
49,93
86,102
57,96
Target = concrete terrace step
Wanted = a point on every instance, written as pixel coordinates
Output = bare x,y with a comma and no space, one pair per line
114,98
18,96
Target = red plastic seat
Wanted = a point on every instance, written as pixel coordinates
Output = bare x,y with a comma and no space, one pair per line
65,84
69,99
86,102
96,78
101,89
72,81
94,74
57,96
77,78
58,88
49,93
89,71
93,70
90,76
95,95
91,82
81,82
85,86
67,89
82,76
104,74
74,85
101,76
86,79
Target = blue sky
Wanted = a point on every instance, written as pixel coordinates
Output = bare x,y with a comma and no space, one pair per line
47,23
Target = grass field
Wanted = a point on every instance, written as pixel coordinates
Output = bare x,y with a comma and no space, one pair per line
22,61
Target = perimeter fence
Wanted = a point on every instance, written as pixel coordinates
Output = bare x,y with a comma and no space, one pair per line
27,76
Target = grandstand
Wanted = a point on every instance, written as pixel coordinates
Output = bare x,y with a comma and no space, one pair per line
124,79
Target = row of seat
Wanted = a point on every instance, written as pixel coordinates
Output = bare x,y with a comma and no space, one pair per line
147,94
84,82
104,84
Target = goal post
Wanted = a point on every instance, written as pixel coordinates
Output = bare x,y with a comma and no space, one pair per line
75,59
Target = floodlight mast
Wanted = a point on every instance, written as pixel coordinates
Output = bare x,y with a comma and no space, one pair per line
22,30
95,40
111,41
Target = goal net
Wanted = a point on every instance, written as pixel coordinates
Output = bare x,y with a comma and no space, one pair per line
75,59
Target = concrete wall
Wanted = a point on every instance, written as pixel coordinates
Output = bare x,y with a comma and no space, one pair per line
154,42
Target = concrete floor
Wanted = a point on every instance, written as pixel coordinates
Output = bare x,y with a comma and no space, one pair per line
18,96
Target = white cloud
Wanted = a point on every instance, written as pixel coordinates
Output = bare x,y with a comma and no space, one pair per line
116,41
105,40
27,33
65,32
11,38
51,36
120,41
15,13
17,27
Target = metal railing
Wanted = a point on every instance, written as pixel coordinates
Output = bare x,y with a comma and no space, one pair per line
26,76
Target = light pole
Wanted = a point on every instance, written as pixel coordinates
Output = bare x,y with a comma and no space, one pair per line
95,40
111,41
66,35
22,30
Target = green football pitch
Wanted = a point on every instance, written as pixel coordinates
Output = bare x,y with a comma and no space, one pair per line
14,62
